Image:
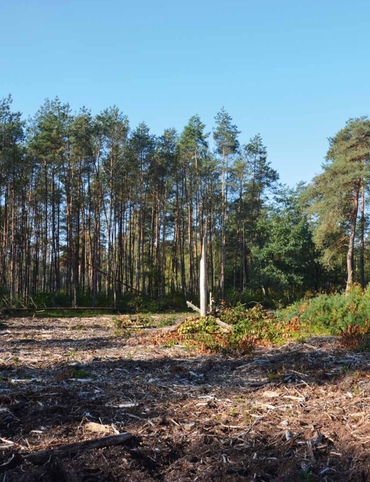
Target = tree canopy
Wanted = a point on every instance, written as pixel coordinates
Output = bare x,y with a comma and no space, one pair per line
92,210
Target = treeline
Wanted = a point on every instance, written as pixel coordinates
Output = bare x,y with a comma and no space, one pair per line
95,209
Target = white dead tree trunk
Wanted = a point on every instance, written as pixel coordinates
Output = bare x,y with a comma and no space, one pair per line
203,289
203,278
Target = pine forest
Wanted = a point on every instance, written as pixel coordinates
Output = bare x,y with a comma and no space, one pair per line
93,210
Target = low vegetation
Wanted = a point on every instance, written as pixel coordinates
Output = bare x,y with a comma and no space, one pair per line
344,315
335,314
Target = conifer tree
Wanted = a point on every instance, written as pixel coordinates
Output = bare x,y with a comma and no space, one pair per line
225,136
334,194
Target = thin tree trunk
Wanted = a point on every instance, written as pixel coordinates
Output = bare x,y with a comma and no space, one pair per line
12,256
203,281
362,247
351,244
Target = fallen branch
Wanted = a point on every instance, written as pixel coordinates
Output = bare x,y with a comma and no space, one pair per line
225,327
193,307
44,456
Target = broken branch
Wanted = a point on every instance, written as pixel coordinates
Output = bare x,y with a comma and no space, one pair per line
225,327
44,456
193,307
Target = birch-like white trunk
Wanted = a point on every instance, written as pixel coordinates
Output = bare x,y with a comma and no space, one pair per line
203,288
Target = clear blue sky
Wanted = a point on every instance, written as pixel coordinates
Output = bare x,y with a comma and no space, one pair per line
292,70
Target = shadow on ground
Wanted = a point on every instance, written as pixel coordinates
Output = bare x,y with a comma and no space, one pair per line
291,413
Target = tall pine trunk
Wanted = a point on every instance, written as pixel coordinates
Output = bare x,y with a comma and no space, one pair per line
351,244
362,247
203,278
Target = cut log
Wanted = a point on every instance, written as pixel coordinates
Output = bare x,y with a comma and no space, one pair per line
225,327
193,307
39,458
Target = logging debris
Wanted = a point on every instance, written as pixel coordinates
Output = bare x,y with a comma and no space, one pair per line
299,411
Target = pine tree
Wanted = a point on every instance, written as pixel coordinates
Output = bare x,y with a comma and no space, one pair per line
334,194
225,136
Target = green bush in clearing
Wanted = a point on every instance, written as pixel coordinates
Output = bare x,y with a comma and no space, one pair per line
206,324
333,314
234,315
122,322
168,321
256,325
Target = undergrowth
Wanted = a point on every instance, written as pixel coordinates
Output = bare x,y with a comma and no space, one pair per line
248,327
344,315
127,302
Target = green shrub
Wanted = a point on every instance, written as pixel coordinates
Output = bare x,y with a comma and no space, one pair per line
123,322
255,325
121,333
201,325
334,314
233,316
168,321
143,319
248,328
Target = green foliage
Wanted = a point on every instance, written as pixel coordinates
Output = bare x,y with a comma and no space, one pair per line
138,303
72,353
90,207
13,166
123,322
67,313
123,325
253,326
193,139
232,316
225,133
143,319
332,196
206,324
121,333
249,327
128,302
335,314
172,302
286,259
203,333
167,321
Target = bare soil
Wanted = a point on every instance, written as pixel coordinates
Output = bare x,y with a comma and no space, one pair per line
287,413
